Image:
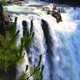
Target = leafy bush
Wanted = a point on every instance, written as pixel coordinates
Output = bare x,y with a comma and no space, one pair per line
10,54
3,2
35,72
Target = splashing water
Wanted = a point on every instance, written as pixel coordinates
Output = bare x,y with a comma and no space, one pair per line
59,44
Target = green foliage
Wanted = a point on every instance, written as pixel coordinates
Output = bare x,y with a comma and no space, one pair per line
35,72
10,54
38,71
3,2
23,76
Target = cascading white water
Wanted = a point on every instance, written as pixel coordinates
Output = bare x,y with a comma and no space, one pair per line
61,50
66,27
37,47
66,48
21,67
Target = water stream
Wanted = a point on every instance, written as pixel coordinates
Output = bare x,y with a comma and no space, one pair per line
59,43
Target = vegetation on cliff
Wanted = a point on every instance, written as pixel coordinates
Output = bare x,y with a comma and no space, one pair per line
10,54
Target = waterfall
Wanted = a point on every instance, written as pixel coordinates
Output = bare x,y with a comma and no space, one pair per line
59,44
21,67
37,46
49,44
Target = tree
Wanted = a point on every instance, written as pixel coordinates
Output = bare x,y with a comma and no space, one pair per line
10,54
